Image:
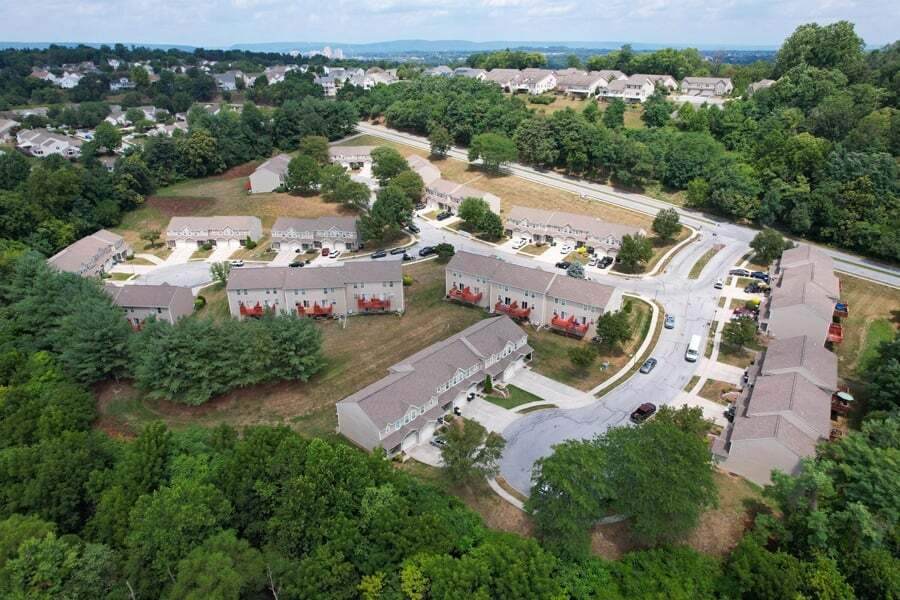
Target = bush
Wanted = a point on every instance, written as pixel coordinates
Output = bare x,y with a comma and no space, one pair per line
407,280
488,384
206,247
542,99
199,302
249,244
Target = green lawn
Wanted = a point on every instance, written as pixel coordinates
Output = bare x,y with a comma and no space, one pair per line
702,262
515,397
874,317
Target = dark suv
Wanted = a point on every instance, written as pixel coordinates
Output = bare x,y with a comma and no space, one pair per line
643,412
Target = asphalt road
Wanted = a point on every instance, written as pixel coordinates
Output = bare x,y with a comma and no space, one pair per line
848,263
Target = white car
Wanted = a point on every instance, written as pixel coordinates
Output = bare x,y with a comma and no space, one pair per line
335,254
593,261
566,249
520,243
719,284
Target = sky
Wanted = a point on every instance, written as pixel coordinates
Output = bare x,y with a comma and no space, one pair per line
225,22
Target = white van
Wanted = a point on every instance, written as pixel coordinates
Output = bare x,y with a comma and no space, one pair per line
693,350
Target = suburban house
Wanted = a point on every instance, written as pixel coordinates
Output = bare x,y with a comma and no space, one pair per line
478,74
759,85
6,128
338,291
611,74
544,299
92,255
575,82
168,130
404,409
376,75
68,80
706,86
636,88
544,226
230,231
805,297
666,81
270,175
227,81
505,78
442,195
162,302
116,115
439,71
351,157
535,81
41,143
277,73
300,235
121,83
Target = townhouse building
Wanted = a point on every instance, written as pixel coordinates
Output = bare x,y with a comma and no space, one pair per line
544,299
478,74
405,408
335,291
707,86
160,302
42,143
583,84
351,157
230,231
300,235
270,175
92,255
546,227
636,88
445,195
535,81
505,78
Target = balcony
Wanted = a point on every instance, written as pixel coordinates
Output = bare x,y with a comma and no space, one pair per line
835,333
569,326
512,310
316,310
841,310
256,311
373,304
465,295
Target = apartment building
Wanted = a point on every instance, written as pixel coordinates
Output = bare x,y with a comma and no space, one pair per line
544,226
334,233
231,231
351,157
270,175
707,86
92,255
404,409
161,302
42,143
445,195
336,291
571,306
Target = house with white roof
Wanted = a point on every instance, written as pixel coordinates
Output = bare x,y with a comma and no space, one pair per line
42,143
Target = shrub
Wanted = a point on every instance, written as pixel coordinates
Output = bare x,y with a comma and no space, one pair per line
542,99
488,384
206,247
199,302
249,244
407,280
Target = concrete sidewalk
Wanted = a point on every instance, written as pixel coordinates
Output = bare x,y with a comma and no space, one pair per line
552,391
711,410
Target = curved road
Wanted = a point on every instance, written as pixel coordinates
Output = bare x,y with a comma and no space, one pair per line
848,263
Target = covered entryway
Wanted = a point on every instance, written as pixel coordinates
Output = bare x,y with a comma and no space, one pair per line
411,439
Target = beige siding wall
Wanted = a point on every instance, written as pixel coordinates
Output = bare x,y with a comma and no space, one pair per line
139,315
475,284
356,426
537,302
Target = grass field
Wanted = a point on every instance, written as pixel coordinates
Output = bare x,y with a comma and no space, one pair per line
515,191
874,318
702,262
356,355
551,353
516,397
713,390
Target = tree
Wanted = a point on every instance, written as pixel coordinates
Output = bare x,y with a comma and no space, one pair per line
657,110
302,175
108,137
411,183
219,271
667,224
739,332
614,115
635,251
883,375
576,270
198,154
834,46
491,226
387,163
536,143
614,328
664,504
493,149
582,356
151,236
352,194
223,566
470,451
316,147
444,252
768,245
389,214
441,141
14,169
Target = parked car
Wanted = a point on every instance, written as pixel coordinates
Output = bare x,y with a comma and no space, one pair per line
563,265
520,243
566,249
237,263
643,412
336,254
444,215
379,254
761,275
420,205
438,442
326,251
670,322
398,250
406,256
593,261
740,272
427,251
648,365
412,228
756,288
605,262
297,263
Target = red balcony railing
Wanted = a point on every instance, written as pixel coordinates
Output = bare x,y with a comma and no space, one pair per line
841,310
372,304
835,333
137,326
256,311
512,310
569,326
465,295
316,310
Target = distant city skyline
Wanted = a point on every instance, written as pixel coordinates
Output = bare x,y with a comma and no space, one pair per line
727,23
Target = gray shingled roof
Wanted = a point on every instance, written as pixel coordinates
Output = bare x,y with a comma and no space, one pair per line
794,397
317,224
801,352
217,223
596,227
774,427
74,257
256,278
277,164
144,296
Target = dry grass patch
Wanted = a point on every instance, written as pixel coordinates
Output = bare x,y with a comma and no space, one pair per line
714,390
356,354
874,318
534,249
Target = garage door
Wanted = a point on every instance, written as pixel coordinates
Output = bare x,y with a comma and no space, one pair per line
427,431
409,441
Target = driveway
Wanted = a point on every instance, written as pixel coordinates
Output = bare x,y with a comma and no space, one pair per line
221,254
188,274
492,417
180,254
550,390
285,257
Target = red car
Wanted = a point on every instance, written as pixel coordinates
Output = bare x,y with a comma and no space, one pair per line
326,251
643,412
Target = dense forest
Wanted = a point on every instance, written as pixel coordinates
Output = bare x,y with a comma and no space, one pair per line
815,154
